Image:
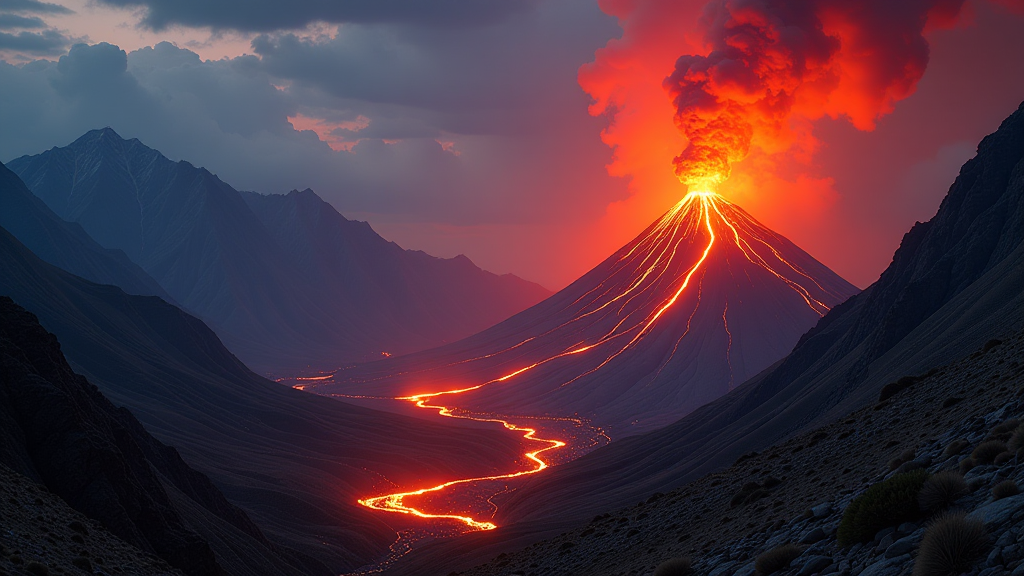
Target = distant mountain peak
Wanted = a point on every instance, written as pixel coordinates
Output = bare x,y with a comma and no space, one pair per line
286,280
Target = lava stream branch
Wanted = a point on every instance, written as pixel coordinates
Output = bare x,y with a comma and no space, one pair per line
637,280
395,502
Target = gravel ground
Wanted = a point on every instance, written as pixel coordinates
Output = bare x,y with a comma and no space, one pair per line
821,471
41,535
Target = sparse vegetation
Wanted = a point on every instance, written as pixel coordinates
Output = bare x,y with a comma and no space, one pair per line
904,457
776,559
950,545
893,388
955,447
887,503
1005,429
940,491
986,452
1016,441
750,492
966,465
674,567
1005,489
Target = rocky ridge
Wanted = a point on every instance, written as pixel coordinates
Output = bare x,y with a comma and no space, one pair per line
796,492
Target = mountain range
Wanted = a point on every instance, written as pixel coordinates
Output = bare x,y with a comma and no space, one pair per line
285,281
294,462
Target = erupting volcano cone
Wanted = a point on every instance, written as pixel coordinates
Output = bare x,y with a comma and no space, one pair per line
703,299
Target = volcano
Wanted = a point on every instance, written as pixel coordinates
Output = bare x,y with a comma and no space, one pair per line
703,299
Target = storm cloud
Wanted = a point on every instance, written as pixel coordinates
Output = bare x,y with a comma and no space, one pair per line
268,15
467,128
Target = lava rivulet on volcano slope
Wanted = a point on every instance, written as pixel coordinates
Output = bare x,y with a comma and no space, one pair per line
700,301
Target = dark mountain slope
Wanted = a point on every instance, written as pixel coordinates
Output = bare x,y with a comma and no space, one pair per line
294,461
65,244
252,280
359,266
955,282
60,430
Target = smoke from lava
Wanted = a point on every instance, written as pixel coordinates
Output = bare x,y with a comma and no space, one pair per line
754,76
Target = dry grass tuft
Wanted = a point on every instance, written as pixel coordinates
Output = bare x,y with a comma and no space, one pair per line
941,490
674,567
1005,489
776,559
986,452
950,545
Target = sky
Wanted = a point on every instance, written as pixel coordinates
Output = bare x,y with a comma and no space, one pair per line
534,136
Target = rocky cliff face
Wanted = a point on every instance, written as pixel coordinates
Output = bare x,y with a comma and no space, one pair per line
285,281
56,428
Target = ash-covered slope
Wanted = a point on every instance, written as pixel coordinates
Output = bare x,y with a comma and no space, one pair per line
699,302
65,244
955,282
58,429
252,278
295,462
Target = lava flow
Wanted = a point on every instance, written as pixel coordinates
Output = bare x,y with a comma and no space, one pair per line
640,288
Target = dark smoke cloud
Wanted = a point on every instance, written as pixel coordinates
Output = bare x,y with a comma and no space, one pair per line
771,60
269,15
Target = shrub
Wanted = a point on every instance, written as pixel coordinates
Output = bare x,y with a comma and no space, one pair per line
82,563
940,491
674,567
887,503
1005,489
776,559
37,569
1003,458
905,456
955,447
986,452
950,545
966,465
893,388
1006,427
750,492
951,401
1016,441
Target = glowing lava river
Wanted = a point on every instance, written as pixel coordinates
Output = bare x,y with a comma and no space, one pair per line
653,320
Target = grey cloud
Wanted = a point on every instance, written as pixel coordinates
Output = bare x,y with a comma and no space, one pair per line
525,155
46,42
34,6
12,21
268,15
511,77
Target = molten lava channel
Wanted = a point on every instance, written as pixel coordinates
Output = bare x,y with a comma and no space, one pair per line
650,258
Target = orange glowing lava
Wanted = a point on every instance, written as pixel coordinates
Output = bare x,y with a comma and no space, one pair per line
699,214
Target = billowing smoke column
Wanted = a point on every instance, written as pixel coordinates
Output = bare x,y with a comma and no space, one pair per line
756,75
771,60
